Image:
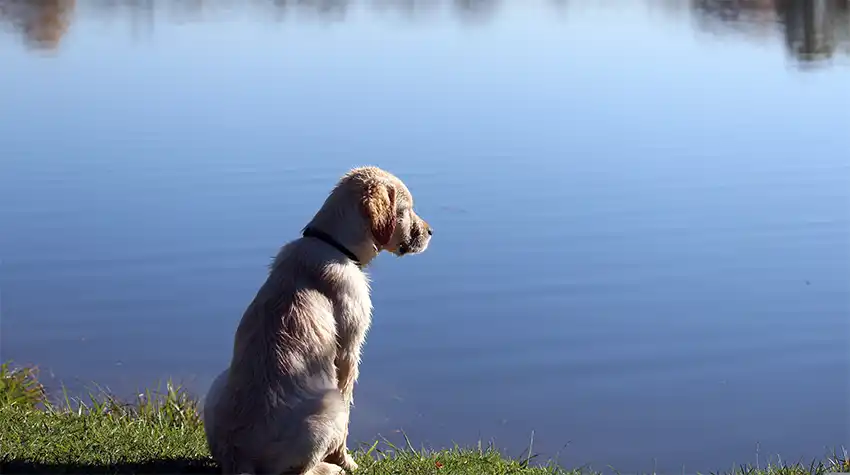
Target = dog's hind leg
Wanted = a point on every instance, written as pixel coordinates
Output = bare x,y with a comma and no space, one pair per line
319,427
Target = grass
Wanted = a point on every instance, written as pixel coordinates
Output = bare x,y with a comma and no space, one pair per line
163,433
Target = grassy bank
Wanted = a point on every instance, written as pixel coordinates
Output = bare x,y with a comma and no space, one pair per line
163,433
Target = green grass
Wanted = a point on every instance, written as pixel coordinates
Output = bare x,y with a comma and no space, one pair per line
163,433
19,387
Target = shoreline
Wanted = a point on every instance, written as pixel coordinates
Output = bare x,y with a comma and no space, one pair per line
163,433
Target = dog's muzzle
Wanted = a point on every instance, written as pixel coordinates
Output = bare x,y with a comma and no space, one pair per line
419,239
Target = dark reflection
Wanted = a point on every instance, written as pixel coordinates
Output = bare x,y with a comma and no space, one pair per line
812,30
43,23
476,10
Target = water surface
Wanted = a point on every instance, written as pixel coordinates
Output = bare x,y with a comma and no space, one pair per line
641,209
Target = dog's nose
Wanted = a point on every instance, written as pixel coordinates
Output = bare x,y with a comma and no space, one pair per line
430,231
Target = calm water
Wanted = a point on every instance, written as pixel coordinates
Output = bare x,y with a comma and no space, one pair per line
642,247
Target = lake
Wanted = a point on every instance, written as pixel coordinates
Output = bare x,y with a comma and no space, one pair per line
641,209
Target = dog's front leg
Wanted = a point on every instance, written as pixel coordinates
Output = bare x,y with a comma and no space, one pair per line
347,364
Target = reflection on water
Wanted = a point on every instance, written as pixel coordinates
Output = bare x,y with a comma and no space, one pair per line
42,23
812,30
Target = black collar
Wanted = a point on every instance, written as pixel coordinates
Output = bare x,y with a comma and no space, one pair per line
327,239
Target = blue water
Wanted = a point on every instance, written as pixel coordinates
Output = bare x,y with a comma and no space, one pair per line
641,209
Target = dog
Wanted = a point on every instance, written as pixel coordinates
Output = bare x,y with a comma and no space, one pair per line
283,404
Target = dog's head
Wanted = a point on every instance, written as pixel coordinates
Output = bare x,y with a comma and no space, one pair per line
387,207
372,209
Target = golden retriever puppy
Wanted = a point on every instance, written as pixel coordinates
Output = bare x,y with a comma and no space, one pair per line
283,404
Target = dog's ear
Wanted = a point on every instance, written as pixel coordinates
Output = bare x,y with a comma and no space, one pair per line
379,206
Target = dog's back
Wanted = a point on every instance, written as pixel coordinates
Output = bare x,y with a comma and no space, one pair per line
278,402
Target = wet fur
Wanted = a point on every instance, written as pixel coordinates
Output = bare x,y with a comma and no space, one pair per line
282,406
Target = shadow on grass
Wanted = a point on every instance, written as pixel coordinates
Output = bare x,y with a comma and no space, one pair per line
153,466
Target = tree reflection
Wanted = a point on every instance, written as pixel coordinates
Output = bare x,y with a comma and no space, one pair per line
43,23
476,10
186,11
813,30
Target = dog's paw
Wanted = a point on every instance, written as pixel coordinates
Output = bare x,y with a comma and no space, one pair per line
349,464
326,468
343,459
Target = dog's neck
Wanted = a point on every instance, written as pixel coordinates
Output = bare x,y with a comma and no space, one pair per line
328,239
347,243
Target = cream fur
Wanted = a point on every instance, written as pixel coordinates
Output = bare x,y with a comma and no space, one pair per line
282,406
